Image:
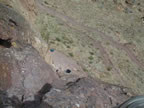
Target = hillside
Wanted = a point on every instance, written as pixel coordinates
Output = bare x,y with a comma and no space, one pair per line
74,45
104,37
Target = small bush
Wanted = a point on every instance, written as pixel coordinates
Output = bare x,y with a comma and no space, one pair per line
90,58
71,54
85,70
58,39
91,53
109,68
68,46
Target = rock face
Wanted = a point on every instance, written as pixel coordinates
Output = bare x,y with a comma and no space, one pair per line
61,63
13,26
22,69
83,93
87,93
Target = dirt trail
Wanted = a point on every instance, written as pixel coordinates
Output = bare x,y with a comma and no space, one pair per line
106,59
71,22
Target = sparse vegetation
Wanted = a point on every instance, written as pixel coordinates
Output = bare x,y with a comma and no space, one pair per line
90,62
71,54
111,53
52,42
109,68
90,58
131,30
85,70
58,39
68,46
91,53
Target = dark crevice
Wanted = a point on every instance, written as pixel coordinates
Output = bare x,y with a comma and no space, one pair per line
5,43
68,71
12,22
14,102
70,84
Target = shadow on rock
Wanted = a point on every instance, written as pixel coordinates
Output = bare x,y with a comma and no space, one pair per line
14,102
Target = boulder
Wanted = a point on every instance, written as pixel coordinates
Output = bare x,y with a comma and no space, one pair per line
23,70
88,93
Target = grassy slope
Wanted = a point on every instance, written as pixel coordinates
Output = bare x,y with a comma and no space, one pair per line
120,21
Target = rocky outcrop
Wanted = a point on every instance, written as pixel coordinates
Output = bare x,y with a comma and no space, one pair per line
22,69
62,63
88,93
13,26
83,93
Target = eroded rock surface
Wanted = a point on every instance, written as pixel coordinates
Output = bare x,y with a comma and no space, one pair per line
13,26
83,93
65,67
23,70
88,93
